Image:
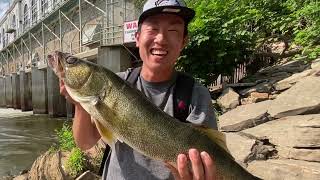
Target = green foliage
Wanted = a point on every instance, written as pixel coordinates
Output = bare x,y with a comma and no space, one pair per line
225,33
76,162
65,138
139,3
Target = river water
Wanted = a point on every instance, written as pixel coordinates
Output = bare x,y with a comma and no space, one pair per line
23,137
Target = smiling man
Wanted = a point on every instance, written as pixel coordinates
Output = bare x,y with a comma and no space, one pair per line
161,36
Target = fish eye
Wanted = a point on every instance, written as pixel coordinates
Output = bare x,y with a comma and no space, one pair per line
71,60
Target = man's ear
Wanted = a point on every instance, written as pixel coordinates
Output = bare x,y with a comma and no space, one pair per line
185,41
137,38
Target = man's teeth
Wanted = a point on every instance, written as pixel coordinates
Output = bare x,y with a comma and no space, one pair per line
159,52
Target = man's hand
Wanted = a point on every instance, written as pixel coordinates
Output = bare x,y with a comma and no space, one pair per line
203,167
64,92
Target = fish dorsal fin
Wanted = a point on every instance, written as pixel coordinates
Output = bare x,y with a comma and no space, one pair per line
106,134
216,136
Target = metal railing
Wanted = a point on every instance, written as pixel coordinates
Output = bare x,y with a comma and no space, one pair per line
82,37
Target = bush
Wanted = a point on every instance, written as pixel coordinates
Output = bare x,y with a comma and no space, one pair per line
65,138
225,33
76,162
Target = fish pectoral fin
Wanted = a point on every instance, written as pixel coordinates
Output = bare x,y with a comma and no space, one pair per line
106,134
93,100
216,136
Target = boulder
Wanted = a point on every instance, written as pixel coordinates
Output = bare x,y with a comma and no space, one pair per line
278,47
289,67
21,177
254,98
245,116
264,87
239,146
295,131
273,96
280,75
312,155
302,98
290,81
282,169
88,176
315,64
94,156
258,97
49,166
229,99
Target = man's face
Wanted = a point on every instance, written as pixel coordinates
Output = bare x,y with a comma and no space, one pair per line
160,41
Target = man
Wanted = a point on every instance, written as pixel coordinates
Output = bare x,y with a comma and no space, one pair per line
161,37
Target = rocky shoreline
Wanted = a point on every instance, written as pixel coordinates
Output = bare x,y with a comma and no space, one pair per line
271,121
273,127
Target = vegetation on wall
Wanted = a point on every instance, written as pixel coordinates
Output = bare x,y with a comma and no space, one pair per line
139,3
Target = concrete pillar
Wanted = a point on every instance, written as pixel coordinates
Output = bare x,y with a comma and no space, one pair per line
39,91
115,58
8,92
25,91
2,92
16,91
56,102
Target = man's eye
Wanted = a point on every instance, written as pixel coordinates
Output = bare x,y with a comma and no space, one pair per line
173,30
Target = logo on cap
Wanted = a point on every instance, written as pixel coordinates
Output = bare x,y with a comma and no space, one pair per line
166,2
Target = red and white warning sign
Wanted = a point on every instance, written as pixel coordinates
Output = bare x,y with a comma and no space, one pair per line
129,30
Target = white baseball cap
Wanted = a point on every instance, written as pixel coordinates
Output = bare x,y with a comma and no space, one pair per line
178,7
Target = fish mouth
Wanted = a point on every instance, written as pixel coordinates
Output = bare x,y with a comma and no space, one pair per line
56,65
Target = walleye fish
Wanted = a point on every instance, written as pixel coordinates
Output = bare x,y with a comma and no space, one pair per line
122,113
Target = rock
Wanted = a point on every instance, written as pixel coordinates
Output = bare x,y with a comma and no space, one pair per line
261,150
278,47
49,166
290,67
236,85
254,98
278,169
258,97
245,101
294,132
315,64
245,116
264,87
216,89
228,99
7,177
302,98
239,146
21,177
273,96
312,155
281,75
25,171
88,176
94,156
290,81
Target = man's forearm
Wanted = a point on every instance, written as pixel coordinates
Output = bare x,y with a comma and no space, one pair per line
85,133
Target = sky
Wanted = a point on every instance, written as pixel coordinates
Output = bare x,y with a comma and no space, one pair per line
4,4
